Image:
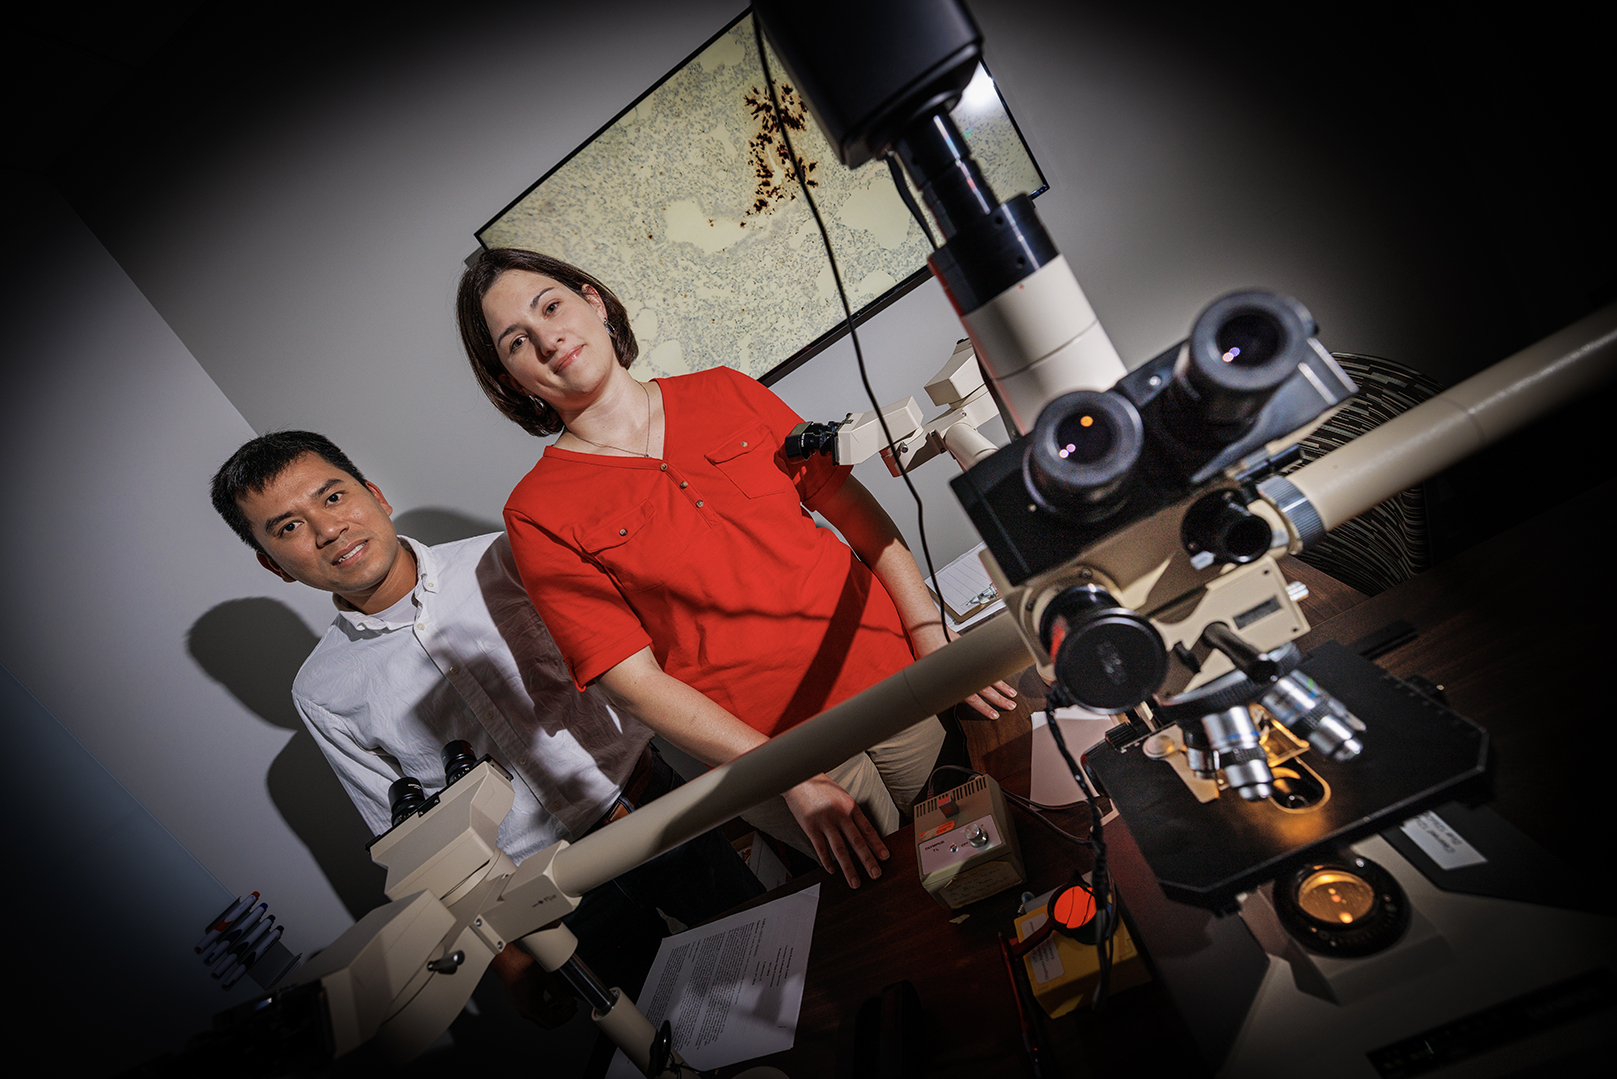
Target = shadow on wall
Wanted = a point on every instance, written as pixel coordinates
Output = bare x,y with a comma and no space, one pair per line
254,647
432,526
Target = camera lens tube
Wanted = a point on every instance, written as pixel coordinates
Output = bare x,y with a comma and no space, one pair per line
1241,759
1303,708
1080,454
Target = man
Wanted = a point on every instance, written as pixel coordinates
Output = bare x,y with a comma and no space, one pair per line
434,644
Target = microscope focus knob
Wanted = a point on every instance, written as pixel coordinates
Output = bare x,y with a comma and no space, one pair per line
1107,657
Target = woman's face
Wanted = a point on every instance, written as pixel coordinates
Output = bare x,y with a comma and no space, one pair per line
552,341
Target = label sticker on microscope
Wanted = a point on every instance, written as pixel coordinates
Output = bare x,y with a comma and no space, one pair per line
1442,843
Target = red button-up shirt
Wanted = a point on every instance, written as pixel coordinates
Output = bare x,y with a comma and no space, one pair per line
709,556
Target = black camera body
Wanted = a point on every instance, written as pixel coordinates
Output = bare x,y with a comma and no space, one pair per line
1251,371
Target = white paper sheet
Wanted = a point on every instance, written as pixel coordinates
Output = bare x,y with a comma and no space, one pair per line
732,988
1442,844
1051,782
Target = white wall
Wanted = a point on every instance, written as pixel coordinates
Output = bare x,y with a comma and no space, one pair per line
109,432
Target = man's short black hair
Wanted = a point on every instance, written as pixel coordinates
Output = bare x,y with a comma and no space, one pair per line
256,465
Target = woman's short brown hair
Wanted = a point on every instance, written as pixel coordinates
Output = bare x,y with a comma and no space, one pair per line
532,415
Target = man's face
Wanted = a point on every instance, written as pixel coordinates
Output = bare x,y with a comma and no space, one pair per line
319,525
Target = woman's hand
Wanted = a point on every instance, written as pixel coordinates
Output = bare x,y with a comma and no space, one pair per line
928,638
841,834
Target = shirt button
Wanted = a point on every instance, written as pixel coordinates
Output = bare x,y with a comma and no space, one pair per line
623,531
663,467
698,503
743,445
453,669
420,625
683,485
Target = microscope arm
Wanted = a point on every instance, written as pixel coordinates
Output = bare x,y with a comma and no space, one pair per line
944,678
1453,425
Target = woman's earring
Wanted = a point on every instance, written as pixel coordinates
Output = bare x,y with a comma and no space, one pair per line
608,326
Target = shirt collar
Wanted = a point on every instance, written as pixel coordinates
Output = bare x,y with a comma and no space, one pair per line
426,581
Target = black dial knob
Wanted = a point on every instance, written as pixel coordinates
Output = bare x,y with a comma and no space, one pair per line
1107,657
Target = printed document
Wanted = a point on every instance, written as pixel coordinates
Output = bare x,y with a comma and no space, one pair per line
732,989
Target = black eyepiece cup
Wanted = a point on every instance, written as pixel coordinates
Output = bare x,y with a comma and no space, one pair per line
1241,349
1081,452
458,759
405,797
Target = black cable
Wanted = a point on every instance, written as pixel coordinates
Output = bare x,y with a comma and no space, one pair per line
909,200
847,310
1105,899
971,773
1032,809
1099,885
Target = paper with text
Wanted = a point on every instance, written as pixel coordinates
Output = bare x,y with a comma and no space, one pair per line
732,988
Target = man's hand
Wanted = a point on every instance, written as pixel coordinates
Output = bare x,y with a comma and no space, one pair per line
539,996
841,834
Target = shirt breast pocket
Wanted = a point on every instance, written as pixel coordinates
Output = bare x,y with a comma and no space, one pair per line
647,545
747,459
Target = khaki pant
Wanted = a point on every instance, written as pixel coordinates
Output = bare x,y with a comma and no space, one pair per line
882,779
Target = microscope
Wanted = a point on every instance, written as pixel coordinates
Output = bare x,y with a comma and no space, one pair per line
1132,527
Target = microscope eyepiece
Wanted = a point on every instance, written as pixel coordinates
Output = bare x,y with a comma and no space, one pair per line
807,439
1081,453
405,798
1248,339
458,759
1240,351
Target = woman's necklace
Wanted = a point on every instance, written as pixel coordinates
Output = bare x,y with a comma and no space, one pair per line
608,446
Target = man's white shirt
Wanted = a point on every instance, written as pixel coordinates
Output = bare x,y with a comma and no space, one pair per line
465,656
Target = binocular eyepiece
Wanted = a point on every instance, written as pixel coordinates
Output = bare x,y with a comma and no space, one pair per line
1081,454
1089,449
406,797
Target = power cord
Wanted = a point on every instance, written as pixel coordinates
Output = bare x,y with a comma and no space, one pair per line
1100,881
847,310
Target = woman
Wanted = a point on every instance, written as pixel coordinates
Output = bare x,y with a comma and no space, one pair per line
667,543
